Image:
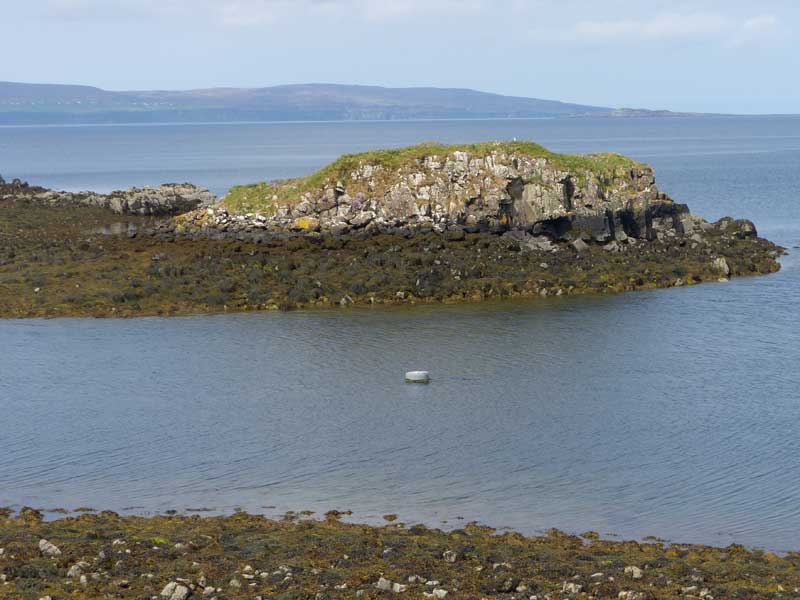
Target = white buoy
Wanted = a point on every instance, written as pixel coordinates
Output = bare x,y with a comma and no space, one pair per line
418,377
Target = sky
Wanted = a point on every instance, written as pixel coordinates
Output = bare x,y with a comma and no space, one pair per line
731,56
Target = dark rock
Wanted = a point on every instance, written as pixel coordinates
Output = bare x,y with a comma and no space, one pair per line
507,585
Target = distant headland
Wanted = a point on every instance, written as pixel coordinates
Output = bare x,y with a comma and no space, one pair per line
42,104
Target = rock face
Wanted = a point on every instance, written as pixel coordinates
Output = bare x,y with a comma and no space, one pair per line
492,188
168,199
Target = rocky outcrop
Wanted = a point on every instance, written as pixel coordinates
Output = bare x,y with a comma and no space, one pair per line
484,188
168,199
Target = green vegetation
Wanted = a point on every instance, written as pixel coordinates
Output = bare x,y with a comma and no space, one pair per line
265,196
248,556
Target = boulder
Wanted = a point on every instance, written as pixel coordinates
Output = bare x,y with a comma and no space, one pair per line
634,572
305,224
362,219
539,243
77,569
631,595
384,584
175,591
571,588
745,229
721,266
48,548
580,245
450,556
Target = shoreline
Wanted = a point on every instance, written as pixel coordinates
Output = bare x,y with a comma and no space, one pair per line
55,263
510,301
298,556
446,523
582,117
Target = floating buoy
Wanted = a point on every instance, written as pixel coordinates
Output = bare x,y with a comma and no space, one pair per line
418,377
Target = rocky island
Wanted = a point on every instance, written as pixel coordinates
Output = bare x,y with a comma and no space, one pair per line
429,223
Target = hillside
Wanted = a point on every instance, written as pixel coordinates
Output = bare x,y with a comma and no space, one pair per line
22,103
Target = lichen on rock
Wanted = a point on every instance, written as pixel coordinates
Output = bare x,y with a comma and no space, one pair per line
489,187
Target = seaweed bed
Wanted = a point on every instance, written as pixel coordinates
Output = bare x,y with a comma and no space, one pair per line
56,261
245,556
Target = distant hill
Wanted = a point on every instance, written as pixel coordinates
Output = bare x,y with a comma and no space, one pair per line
24,103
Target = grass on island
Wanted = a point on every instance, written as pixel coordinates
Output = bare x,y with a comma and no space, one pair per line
265,196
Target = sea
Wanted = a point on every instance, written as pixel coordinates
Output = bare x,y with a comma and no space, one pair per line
672,413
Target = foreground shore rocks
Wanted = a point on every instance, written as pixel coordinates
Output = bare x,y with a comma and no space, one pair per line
421,225
247,556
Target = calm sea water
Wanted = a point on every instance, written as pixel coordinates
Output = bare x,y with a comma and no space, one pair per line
673,413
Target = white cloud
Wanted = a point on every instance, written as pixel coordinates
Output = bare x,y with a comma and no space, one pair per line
112,9
702,27
757,30
574,22
247,12
762,24
661,27
394,9
261,12
256,12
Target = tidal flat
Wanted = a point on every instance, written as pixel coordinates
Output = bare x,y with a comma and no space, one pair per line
58,261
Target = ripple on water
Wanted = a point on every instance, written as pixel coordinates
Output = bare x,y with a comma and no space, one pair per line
671,413
667,412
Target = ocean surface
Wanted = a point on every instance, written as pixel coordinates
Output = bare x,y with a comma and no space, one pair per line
672,413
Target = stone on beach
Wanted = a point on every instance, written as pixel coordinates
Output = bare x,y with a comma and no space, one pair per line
634,572
450,556
48,548
175,591
77,569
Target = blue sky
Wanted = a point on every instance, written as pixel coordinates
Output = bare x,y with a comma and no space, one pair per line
704,55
